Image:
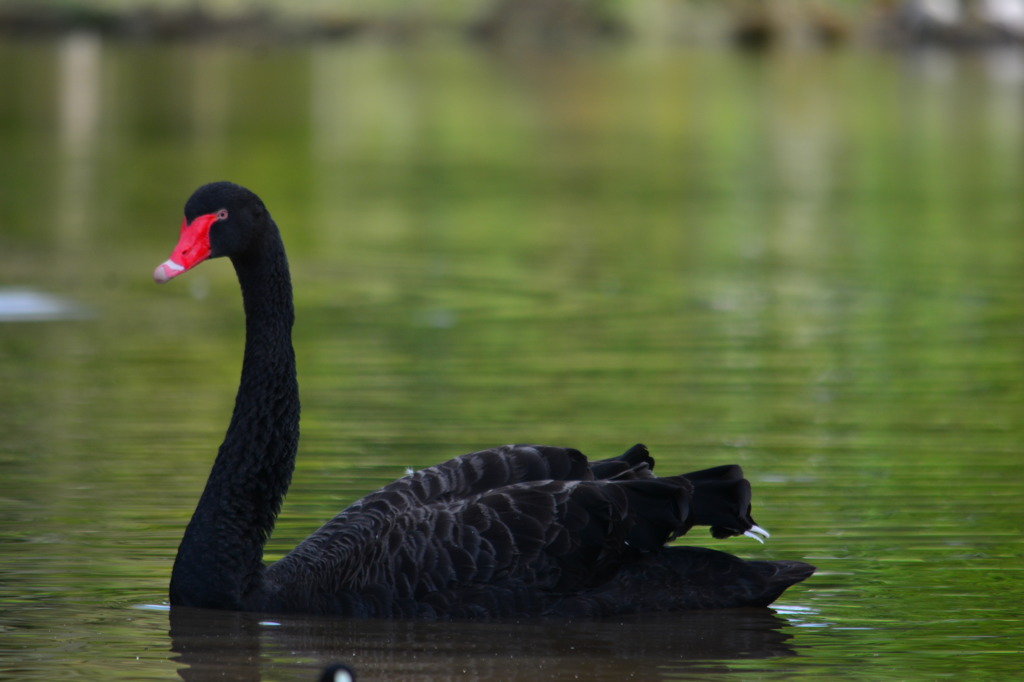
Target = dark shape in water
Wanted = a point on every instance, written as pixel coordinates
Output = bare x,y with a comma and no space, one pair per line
339,672
517,530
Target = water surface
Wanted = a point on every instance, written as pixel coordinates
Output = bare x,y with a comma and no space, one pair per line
808,264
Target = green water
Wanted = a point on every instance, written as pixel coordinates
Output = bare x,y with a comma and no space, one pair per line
808,264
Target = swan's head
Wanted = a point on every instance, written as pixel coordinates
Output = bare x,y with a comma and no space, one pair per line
221,219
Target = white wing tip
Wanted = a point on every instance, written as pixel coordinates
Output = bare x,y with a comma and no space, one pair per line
758,533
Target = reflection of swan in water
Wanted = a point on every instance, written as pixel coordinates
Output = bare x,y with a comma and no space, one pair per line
213,645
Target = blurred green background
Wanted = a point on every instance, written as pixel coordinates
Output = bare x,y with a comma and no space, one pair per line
733,240
747,23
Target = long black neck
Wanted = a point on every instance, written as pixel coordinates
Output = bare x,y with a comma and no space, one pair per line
220,559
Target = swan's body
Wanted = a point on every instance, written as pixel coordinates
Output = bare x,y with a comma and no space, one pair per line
513,531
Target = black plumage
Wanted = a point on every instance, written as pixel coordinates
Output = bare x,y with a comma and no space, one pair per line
511,531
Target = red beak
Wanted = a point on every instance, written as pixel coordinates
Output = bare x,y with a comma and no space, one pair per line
192,249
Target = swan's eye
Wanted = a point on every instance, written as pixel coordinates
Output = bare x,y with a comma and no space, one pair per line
222,214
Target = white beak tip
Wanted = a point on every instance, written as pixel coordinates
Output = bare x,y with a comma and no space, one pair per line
166,270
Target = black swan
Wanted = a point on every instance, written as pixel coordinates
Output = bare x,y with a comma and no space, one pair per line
517,530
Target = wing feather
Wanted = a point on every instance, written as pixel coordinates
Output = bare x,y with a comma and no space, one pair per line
515,529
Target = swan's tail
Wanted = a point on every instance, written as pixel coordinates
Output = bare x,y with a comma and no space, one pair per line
705,578
687,579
